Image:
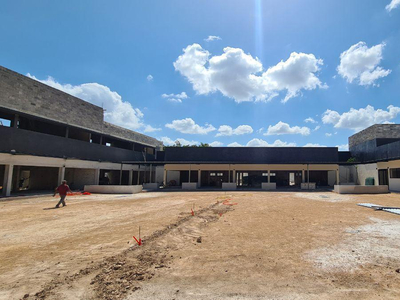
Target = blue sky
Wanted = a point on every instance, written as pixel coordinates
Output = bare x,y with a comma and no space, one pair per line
336,62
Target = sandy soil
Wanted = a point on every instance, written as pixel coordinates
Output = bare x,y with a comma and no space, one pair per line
238,245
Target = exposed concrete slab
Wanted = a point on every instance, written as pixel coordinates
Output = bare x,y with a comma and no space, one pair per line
113,189
361,189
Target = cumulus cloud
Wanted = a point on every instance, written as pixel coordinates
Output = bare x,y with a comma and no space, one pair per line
344,147
240,76
235,144
261,143
313,145
212,38
310,120
361,64
169,142
358,119
284,128
189,126
117,111
149,128
175,97
392,5
226,130
316,128
216,144
149,77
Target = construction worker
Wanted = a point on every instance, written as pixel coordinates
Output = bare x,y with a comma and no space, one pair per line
63,189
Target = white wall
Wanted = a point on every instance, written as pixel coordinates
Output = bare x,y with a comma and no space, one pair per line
78,178
174,175
394,184
365,171
331,178
159,174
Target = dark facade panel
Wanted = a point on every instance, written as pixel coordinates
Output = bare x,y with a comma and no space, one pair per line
40,144
344,156
256,155
369,151
377,131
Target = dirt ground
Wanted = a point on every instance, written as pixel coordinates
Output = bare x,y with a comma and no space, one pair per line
238,245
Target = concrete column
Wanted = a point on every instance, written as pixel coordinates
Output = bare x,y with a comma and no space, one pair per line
337,177
269,176
229,174
234,176
96,176
130,177
138,177
198,178
61,174
151,174
165,178
16,184
7,183
303,176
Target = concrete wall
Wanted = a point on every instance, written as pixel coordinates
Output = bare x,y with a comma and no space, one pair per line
394,184
113,189
78,178
347,174
174,175
365,171
361,189
159,174
331,178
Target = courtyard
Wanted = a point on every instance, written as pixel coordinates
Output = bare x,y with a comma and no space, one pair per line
236,245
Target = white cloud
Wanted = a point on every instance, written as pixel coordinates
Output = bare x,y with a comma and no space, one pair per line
239,76
149,128
358,119
212,38
216,144
284,128
261,143
169,142
149,77
117,111
189,126
310,120
392,5
235,144
328,134
175,97
316,128
313,145
360,63
344,147
226,130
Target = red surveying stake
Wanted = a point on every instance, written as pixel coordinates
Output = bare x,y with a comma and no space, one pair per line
140,240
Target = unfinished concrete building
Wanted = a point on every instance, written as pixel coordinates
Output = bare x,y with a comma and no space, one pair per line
48,135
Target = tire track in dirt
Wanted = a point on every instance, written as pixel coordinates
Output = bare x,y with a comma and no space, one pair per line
117,276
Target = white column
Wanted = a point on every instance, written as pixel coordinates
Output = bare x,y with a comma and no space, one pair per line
198,178
337,177
130,177
229,174
96,176
165,178
269,176
151,174
7,183
61,174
